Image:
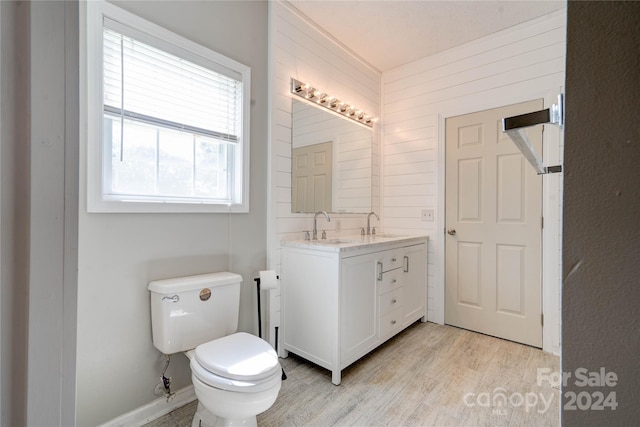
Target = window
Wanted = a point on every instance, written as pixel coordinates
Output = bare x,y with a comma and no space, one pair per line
167,120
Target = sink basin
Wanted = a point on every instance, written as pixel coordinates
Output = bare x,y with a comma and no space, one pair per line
335,241
387,235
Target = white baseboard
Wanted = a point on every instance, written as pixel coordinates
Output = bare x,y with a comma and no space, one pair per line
153,410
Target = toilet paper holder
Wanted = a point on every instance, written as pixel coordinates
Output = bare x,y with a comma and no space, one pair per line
257,280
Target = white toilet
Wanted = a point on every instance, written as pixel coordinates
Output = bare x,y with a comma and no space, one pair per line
236,375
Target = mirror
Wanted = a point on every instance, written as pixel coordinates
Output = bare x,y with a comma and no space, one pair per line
331,162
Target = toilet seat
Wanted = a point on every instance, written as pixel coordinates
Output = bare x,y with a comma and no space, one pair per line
237,362
229,384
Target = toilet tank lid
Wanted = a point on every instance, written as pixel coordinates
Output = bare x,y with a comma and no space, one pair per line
188,283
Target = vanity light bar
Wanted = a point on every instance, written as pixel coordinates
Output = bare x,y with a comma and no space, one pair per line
310,93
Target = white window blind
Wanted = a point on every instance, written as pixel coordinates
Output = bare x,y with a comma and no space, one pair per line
146,84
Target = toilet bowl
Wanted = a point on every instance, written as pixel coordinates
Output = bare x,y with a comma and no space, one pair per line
235,375
234,378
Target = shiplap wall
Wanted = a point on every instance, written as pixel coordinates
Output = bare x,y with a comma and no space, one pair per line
299,49
518,64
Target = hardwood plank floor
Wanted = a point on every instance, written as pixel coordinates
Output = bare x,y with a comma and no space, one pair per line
429,375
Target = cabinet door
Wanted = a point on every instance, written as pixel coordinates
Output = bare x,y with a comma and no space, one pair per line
359,312
310,305
415,283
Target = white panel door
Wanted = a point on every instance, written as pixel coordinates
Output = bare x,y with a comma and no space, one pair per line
493,224
311,178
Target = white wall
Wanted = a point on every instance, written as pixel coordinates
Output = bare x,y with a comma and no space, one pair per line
117,365
299,49
518,64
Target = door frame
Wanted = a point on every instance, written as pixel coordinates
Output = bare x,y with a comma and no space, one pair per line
551,211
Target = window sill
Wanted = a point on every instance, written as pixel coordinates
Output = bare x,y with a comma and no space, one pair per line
110,206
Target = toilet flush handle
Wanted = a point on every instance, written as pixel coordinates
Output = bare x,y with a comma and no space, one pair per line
174,298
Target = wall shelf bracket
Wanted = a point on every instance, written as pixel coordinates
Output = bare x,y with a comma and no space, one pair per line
515,126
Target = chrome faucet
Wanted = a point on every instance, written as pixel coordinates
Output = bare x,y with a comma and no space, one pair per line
369,222
315,221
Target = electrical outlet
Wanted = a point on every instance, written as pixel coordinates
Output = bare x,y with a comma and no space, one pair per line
427,215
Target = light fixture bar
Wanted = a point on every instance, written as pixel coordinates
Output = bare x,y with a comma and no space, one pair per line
311,94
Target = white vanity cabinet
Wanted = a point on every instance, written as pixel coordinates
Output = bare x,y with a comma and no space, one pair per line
342,300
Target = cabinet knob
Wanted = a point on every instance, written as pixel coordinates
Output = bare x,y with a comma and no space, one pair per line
393,301
393,322
393,259
394,280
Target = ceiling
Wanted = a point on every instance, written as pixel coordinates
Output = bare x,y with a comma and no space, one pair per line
390,33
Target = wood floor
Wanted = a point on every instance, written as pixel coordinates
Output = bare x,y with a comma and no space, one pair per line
429,375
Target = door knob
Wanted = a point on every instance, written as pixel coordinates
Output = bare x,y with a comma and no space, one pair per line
451,232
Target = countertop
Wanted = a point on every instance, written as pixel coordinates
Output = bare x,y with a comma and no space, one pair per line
348,243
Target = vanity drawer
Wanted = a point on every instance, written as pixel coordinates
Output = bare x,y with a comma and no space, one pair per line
390,301
391,260
390,280
390,323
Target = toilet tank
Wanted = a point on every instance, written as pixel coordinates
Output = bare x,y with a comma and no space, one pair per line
189,311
